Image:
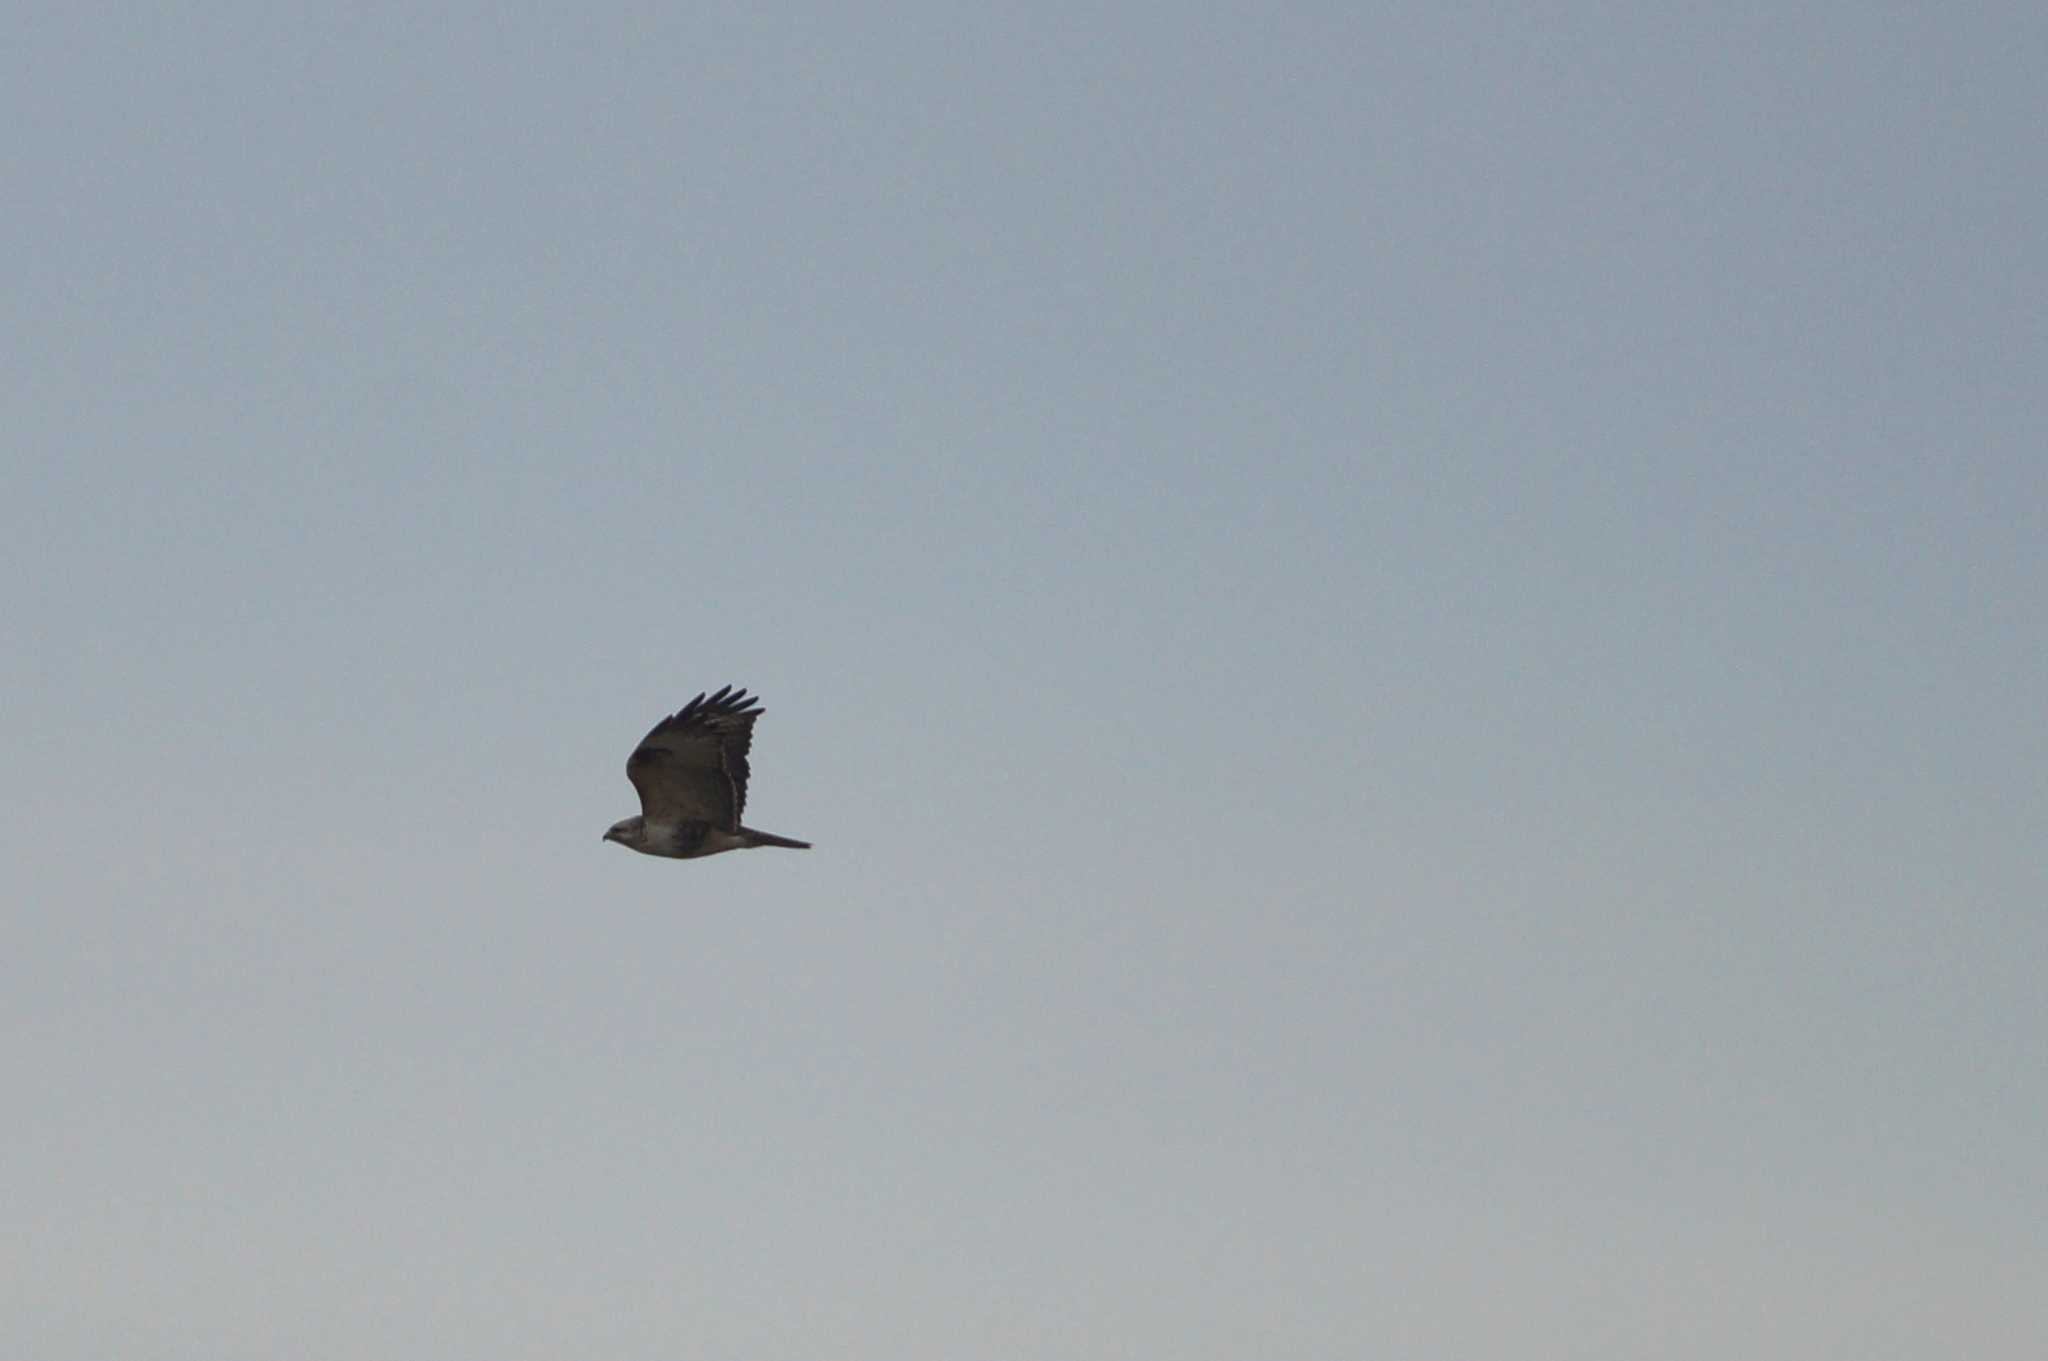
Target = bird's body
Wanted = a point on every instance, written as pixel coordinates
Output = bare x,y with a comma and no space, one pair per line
691,773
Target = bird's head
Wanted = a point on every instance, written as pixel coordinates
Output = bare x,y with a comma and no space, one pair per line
627,832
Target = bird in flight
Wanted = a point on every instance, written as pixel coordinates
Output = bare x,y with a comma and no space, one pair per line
691,771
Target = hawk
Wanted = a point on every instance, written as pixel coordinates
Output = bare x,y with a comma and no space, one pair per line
691,771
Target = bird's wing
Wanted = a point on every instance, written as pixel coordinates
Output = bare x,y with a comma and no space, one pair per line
693,765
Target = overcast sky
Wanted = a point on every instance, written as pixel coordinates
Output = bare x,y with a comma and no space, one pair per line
1412,637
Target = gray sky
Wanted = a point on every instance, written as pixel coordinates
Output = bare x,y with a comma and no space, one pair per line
1411,636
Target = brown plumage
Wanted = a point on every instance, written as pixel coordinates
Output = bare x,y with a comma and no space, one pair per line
691,773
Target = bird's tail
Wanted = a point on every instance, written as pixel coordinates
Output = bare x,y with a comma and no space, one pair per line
755,838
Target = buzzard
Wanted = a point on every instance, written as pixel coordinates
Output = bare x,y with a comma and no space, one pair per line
691,771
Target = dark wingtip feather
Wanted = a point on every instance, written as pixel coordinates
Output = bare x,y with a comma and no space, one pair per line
731,701
725,701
